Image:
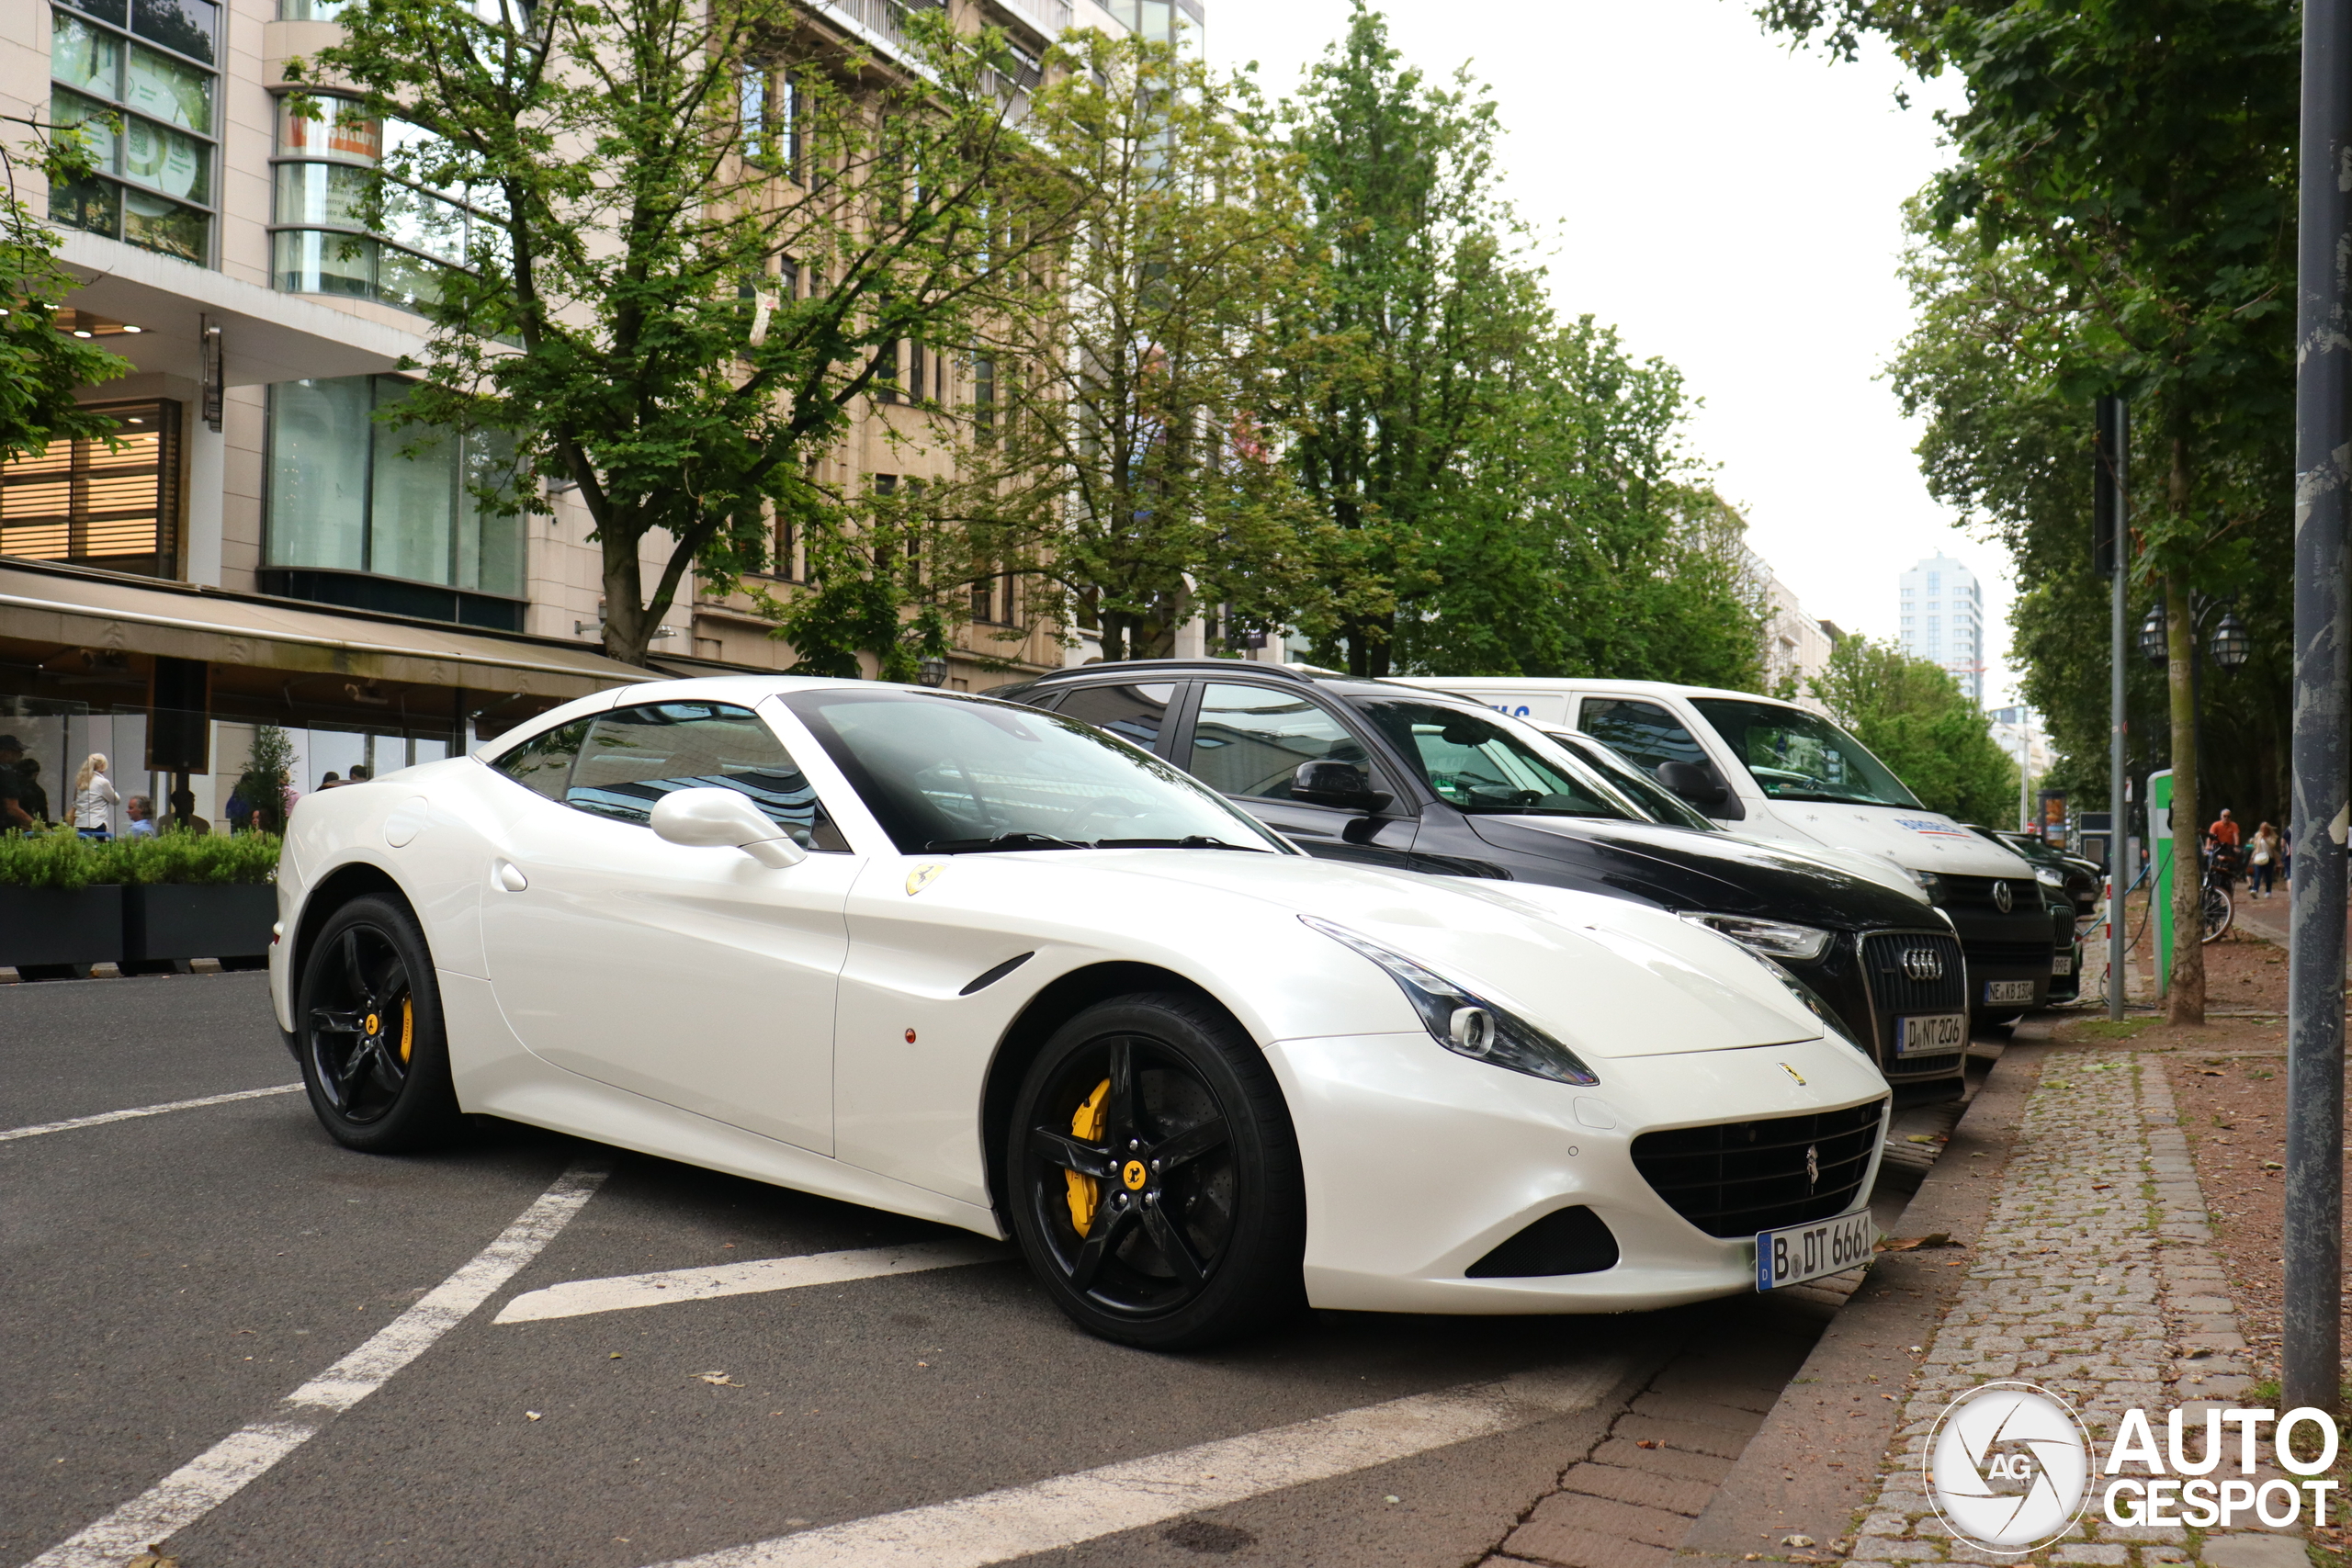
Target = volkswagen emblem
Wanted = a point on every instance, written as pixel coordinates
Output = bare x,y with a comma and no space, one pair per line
1812,1166
2001,896
1923,964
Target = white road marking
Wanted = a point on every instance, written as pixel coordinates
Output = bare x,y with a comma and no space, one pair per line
579,1297
219,1474
104,1117
1017,1521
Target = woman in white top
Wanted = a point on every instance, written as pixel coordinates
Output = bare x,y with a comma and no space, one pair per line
92,794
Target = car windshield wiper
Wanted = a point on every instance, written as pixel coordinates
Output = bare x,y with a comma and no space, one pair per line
1828,798
1002,842
1188,842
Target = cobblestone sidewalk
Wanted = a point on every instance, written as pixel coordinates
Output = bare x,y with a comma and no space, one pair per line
2093,1277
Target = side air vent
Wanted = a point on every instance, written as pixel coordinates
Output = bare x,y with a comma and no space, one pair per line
1566,1241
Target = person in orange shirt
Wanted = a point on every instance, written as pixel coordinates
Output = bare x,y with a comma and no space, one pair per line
2224,831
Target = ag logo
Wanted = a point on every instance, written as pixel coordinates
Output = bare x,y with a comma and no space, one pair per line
2008,1467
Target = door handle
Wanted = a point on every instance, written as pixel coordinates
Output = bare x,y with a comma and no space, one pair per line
509,875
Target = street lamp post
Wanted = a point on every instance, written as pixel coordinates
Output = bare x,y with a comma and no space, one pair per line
2313,1371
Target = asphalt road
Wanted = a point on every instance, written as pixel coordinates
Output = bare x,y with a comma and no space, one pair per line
167,1281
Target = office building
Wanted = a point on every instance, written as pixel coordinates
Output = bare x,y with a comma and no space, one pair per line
1940,618
259,548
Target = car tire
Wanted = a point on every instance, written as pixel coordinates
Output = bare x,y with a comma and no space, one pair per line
1156,1185
369,1031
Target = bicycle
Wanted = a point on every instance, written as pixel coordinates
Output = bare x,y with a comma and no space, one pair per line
2218,907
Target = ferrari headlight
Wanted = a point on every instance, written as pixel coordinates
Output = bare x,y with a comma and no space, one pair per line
1773,938
1820,1008
1466,1023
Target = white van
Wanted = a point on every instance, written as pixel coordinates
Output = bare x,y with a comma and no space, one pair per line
1771,769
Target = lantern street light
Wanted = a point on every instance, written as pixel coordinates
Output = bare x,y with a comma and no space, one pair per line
2230,644
934,672
2152,635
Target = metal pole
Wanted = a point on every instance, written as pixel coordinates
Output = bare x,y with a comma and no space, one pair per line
2115,444
2313,1370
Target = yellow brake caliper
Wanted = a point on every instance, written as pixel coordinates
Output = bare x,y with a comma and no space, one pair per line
408,1025
1086,1127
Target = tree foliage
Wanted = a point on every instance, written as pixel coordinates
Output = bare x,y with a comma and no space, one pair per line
40,366
1914,718
654,170
2130,166
1127,463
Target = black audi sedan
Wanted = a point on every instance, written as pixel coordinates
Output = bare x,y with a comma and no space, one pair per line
1396,776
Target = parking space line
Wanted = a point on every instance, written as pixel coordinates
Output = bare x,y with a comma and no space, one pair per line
102,1117
578,1297
221,1471
1017,1521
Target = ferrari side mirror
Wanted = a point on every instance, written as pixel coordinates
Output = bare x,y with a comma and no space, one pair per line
1341,784
1694,783
724,819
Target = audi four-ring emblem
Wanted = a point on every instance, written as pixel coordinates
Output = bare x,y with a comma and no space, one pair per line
1923,964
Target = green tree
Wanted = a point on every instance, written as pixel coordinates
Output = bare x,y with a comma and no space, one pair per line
1416,304
1577,538
268,775
40,366
660,175
1915,718
2136,157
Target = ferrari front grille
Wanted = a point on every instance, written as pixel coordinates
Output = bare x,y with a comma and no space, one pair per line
1737,1178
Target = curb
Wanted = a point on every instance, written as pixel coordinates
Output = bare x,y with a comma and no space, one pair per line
1813,1467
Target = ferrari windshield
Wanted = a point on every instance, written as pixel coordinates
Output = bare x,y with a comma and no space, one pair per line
1797,755
946,774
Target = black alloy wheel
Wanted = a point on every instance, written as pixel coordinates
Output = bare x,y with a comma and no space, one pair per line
1157,1190
375,1058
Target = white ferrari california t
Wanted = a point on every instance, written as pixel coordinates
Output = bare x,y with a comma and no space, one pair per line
965,960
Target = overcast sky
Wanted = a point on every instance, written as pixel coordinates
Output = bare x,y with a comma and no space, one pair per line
1733,208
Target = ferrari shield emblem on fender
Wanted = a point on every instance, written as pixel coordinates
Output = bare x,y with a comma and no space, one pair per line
920,878
1793,1072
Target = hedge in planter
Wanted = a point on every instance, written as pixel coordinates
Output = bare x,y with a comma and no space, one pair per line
66,899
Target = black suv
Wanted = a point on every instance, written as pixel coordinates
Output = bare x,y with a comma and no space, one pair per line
1396,776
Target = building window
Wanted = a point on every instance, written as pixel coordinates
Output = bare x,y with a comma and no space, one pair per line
93,505
886,372
984,398
343,499
344,226
156,78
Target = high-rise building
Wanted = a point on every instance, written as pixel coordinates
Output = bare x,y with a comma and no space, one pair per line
1940,618
257,545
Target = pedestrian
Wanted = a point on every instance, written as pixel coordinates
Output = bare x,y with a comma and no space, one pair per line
2265,858
93,798
2287,853
331,780
30,791
183,817
142,812
359,775
14,817
237,810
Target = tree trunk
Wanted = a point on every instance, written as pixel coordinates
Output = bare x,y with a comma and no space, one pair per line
2185,996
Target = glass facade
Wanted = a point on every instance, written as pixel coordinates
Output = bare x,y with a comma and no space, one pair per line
344,226
152,67
349,493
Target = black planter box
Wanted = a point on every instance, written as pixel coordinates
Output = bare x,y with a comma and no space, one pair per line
55,925
197,921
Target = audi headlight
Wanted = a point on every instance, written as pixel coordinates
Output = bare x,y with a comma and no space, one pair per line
1773,938
1464,1022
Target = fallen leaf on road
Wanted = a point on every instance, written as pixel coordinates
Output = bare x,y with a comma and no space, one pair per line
720,1378
154,1558
614,1357
1923,1138
1807,1539
533,1415
1919,1243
